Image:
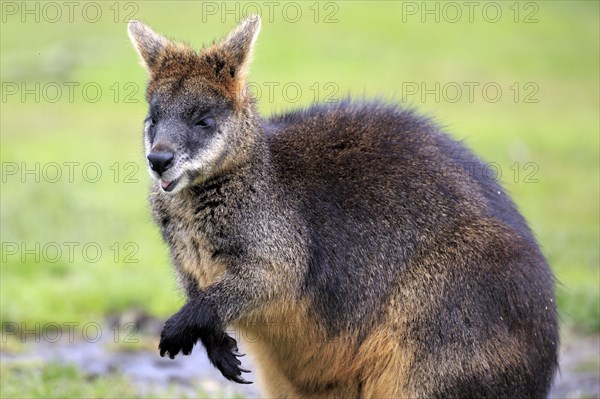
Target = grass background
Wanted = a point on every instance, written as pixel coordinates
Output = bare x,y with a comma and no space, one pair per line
368,48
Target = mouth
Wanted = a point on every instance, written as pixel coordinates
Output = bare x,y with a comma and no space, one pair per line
168,186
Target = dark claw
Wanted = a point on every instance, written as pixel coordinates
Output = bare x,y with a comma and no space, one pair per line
223,353
241,380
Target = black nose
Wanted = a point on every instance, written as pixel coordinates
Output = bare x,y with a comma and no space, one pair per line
160,161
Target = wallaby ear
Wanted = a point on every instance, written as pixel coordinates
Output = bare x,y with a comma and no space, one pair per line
238,46
148,43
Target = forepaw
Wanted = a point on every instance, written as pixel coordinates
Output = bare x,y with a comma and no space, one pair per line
223,353
177,337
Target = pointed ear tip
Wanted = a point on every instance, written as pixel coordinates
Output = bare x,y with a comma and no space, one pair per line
134,25
254,18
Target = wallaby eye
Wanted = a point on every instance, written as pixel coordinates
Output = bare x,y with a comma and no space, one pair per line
205,122
151,120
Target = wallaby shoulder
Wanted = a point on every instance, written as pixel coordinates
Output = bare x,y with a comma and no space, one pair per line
358,149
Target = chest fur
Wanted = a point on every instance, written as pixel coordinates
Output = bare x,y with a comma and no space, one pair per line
194,256
190,232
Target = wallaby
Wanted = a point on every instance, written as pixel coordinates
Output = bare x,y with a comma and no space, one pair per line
367,253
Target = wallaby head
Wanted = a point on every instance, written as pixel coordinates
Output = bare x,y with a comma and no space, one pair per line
201,120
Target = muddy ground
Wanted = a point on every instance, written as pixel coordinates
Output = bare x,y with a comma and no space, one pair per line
579,375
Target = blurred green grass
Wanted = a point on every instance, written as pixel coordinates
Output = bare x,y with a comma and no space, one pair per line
374,49
58,380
